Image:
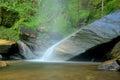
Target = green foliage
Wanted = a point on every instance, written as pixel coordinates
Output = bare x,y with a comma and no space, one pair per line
112,5
8,33
62,16
26,10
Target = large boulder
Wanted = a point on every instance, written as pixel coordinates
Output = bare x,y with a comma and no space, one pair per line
7,48
98,32
5,45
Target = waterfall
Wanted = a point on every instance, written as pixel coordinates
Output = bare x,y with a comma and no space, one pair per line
25,50
49,53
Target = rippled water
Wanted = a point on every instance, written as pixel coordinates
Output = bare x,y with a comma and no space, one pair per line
56,71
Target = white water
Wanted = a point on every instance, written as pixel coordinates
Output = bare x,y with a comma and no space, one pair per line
48,54
25,50
50,51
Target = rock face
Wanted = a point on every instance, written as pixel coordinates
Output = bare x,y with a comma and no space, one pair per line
26,33
96,33
115,53
113,64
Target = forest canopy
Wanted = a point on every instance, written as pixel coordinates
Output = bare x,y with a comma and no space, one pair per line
61,16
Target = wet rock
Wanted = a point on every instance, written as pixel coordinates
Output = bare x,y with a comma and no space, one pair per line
113,64
7,48
25,51
98,32
26,33
110,65
3,64
115,53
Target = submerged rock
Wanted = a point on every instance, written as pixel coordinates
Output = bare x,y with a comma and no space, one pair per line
98,32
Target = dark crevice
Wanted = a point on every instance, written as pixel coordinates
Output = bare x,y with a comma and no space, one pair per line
98,53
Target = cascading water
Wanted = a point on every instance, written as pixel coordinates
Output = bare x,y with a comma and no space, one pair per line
49,53
25,50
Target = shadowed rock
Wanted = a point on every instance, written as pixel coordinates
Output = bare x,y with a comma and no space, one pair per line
113,64
6,48
115,53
